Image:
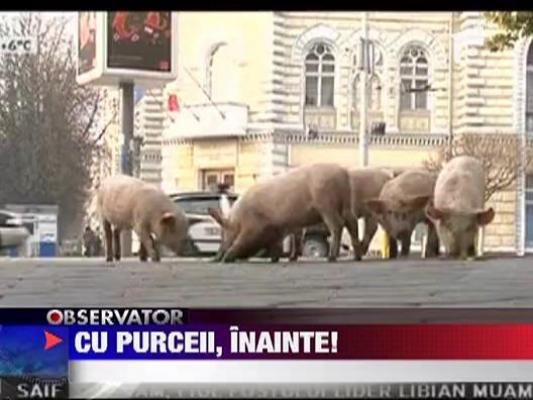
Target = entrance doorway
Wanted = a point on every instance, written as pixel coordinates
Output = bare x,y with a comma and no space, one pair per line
212,177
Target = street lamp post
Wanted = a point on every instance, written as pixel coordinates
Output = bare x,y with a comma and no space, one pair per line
363,138
126,125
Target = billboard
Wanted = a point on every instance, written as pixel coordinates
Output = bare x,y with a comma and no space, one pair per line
139,40
127,46
86,41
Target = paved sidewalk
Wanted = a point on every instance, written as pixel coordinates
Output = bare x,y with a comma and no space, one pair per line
495,282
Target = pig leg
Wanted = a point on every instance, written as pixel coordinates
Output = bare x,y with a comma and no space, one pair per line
156,252
296,245
406,245
353,230
245,245
276,250
371,227
143,253
149,244
335,224
393,248
116,243
432,243
108,241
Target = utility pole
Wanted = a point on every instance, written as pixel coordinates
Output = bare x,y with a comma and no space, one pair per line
363,137
126,126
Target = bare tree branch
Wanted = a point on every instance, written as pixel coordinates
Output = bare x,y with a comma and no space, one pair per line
47,121
501,155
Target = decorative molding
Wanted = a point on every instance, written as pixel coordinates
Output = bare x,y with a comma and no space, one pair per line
519,122
307,38
419,36
335,138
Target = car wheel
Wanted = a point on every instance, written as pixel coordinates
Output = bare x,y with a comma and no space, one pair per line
315,247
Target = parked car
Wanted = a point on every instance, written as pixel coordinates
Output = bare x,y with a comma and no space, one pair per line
13,233
204,232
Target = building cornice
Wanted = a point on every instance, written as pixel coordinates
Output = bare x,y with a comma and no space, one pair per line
416,140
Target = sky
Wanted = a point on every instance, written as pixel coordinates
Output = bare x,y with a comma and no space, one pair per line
50,14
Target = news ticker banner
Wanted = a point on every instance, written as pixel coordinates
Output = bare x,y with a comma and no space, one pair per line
413,390
51,352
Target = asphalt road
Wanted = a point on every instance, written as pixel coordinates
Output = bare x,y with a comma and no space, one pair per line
76,282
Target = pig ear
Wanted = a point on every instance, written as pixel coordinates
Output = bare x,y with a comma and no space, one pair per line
216,214
418,201
376,206
168,219
434,213
485,217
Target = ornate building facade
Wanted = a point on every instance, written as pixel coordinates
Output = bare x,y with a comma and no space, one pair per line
261,92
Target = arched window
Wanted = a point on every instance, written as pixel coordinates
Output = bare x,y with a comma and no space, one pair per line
529,90
414,74
319,76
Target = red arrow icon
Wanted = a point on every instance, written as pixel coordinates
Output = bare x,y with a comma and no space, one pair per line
51,340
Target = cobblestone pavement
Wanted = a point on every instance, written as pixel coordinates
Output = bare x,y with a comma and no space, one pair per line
493,282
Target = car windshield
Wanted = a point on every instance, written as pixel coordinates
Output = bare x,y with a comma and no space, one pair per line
200,205
4,218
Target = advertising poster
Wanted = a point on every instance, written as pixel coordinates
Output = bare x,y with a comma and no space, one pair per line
86,41
139,40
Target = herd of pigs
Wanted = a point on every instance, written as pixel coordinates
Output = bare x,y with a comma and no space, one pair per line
450,203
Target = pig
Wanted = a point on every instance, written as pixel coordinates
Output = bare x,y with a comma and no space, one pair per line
124,202
365,184
401,206
285,204
458,206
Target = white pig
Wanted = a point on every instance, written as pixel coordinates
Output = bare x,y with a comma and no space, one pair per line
125,202
458,206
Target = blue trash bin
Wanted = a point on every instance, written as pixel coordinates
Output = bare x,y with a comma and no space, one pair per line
47,249
13,251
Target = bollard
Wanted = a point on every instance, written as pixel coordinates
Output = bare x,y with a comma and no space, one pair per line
424,245
385,245
480,241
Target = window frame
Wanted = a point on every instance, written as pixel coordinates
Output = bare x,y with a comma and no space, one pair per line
529,90
414,77
319,74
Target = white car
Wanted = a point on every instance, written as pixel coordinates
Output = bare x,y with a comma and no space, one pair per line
13,233
204,231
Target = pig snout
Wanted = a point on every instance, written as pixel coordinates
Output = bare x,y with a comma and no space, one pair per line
173,232
459,231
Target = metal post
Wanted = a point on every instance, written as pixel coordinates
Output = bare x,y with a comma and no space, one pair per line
450,84
126,125
363,138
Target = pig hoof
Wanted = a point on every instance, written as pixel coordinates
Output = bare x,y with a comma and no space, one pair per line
332,259
109,259
274,259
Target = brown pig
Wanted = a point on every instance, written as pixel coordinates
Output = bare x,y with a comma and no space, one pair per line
284,204
366,184
458,205
400,207
125,202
